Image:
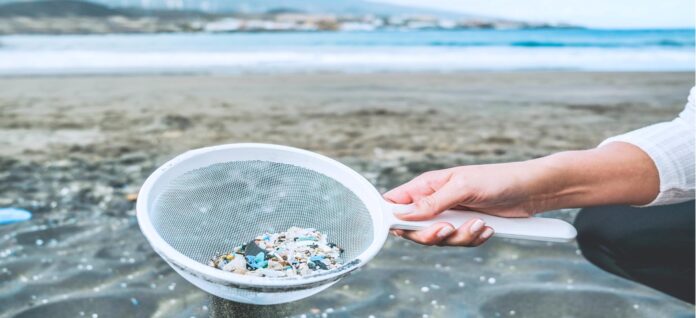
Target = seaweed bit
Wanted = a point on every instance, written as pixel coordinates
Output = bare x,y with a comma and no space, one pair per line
295,252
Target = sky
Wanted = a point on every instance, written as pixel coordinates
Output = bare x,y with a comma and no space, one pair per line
590,13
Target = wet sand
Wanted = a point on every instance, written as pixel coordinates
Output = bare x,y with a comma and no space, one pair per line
74,148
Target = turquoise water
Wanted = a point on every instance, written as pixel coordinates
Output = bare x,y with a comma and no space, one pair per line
543,49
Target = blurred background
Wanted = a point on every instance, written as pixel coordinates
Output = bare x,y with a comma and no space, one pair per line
94,95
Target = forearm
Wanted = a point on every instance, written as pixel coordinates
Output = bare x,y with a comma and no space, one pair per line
617,173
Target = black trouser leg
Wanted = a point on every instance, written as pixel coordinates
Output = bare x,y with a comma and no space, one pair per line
653,246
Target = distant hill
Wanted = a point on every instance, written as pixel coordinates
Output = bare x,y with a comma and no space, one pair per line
165,16
62,8
98,8
343,7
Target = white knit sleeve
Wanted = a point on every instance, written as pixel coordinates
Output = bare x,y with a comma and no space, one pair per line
671,147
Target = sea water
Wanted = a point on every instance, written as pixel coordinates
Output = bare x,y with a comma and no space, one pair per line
440,51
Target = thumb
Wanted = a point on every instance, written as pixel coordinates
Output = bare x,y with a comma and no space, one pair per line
430,206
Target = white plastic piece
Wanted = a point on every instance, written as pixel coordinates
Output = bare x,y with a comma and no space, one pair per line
532,228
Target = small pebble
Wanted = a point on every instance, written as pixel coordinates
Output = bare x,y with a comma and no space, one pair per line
425,289
491,280
461,284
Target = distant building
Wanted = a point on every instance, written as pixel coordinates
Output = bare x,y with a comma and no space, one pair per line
224,25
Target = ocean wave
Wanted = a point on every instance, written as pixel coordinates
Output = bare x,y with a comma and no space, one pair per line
533,44
353,60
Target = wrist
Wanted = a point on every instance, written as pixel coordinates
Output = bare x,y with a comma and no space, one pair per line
552,185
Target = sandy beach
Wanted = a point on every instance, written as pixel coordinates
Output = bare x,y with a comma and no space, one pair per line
75,150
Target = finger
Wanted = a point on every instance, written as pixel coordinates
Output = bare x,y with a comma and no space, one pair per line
418,187
466,234
428,207
400,195
486,234
431,235
397,233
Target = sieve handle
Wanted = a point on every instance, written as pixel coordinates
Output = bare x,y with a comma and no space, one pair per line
532,228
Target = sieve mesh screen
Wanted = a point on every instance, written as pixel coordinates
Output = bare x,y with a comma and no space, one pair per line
215,208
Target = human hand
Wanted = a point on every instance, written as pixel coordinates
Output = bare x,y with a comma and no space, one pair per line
497,189
616,173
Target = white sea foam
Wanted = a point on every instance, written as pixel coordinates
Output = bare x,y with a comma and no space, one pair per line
339,52
78,61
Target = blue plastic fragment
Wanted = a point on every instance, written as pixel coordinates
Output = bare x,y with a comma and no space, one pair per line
316,258
262,264
13,215
257,261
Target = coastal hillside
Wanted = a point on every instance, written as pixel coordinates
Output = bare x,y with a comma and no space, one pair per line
63,8
128,16
96,7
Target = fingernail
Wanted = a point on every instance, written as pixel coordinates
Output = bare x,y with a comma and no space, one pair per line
478,224
487,233
445,232
405,210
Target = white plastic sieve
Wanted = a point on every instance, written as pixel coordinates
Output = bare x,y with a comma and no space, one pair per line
212,199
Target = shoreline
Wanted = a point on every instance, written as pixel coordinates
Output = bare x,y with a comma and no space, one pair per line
328,72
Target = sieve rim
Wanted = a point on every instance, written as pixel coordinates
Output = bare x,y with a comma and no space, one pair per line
171,255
